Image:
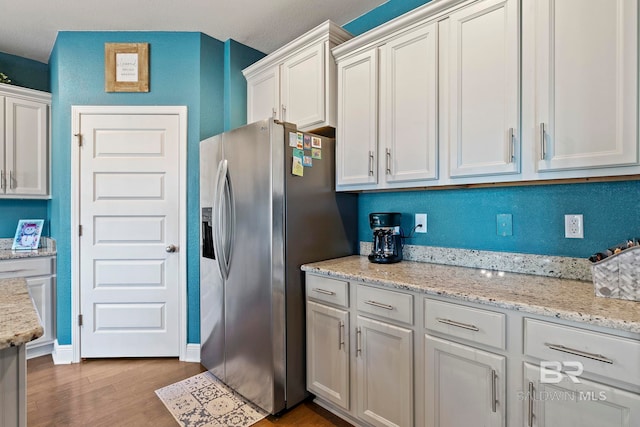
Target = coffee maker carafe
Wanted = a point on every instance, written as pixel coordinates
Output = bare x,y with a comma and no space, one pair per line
387,241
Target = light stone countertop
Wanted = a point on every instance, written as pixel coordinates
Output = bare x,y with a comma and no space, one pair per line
47,248
546,296
19,322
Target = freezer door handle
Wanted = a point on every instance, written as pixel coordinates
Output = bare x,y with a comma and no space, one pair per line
224,208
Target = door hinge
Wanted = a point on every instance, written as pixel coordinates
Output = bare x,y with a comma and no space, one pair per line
79,319
80,230
79,136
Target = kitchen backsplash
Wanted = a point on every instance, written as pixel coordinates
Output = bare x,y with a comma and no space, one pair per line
540,265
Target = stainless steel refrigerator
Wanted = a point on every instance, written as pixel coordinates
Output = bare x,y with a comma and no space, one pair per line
259,223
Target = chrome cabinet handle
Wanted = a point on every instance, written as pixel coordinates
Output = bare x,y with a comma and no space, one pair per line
3,180
340,334
322,291
379,305
530,415
598,357
370,163
388,158
458,324
170,248
493,390
11,181
358,341
543,150
284,112
274,112
512,148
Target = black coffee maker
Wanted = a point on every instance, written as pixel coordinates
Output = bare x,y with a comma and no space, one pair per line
387,241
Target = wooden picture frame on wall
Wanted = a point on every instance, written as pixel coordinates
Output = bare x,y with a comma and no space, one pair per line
126,67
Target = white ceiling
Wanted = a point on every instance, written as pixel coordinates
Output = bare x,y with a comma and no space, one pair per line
28,28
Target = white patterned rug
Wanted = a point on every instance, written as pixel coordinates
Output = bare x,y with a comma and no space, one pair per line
204,401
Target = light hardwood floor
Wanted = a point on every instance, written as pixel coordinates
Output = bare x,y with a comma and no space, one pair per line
120,392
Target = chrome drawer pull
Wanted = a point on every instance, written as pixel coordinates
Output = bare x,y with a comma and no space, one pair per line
530,415
370,163
380,305
598,357
458,324
358,341
322,291
493,390
543,150
340,334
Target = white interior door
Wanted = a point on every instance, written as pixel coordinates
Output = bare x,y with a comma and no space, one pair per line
129,215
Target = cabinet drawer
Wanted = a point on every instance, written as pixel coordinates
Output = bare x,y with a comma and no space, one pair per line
602,354
328,290
384,303
26,267
480,326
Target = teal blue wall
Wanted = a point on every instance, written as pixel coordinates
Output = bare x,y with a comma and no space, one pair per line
185,69
381,14
13,210
466,218
25,72
237,57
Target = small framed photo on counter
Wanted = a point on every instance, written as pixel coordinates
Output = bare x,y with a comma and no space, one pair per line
27,235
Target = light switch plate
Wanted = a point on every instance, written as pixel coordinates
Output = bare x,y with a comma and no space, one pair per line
504,224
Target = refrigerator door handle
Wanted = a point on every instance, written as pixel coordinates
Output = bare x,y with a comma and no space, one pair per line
216,217
225,221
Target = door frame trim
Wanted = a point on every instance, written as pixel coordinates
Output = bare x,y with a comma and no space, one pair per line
76,112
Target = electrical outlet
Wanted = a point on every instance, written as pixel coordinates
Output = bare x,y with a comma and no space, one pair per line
504,225
573,226
421,223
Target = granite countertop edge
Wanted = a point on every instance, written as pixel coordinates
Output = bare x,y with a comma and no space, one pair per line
589,309
47,248
19,321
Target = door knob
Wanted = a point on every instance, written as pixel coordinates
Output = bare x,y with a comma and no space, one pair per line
171,248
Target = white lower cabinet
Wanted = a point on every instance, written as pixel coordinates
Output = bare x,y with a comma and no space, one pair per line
584,404
328,353
464,386
384,372
39,272
470,365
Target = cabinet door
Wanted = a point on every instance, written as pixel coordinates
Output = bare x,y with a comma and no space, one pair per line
569,404
408,105
483,89
303,90
464,386
357,132
384,371
41,292
328,353
263,95
26,147
587,83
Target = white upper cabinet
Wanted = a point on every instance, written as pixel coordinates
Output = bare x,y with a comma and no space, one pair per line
296,83
408,106
483,79
263,95
586,84
357,132
24,142
387,112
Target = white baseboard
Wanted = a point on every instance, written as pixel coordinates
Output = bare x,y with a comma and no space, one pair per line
62,354
192,354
